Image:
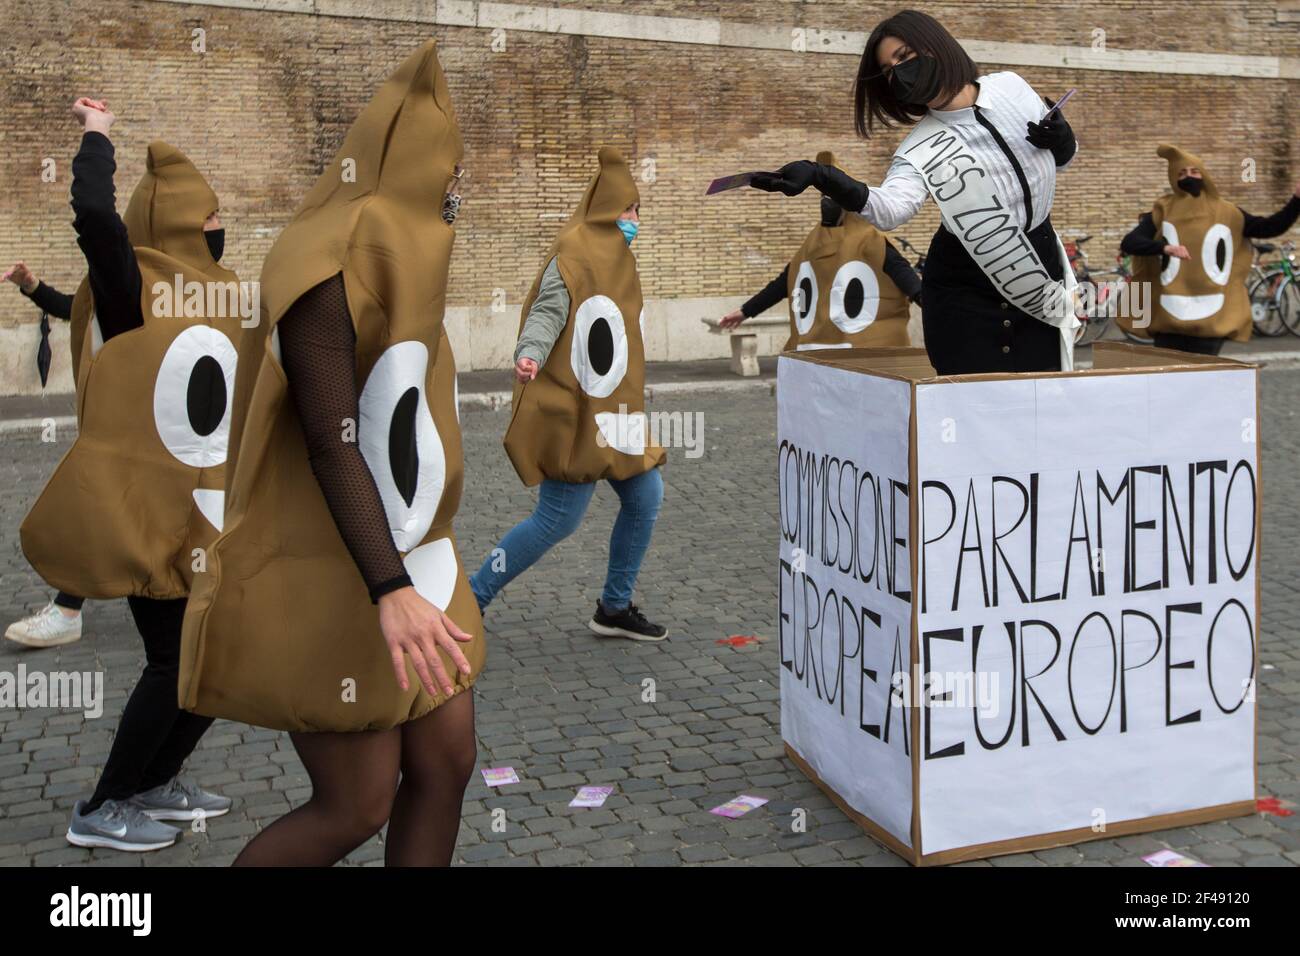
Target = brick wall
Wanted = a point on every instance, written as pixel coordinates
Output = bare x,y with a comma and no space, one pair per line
267,104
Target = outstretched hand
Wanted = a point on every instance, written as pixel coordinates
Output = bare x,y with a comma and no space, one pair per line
21,276
791,179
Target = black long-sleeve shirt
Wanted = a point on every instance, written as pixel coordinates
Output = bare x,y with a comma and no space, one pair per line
1142,241
897,268
318,348
110,261
51,300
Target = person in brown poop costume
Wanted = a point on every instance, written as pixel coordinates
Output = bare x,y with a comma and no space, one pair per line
336,607
848,286
1192,251
136,500
579,402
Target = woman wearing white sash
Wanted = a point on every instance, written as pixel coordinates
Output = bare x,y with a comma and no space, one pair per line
996,293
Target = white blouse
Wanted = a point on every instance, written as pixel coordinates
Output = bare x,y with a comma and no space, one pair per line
1009,103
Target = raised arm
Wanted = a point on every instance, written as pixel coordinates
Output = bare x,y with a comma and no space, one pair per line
1266,227
114,273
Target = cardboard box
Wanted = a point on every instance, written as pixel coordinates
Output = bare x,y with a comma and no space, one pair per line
1019,611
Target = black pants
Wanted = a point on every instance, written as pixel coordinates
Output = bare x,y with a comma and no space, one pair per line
154,735
70,601
1187,343
969,327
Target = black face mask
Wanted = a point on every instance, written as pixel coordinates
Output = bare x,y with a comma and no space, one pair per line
915,82
1191,185
831,211
216,242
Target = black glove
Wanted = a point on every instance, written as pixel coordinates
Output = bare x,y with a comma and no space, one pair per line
916,297
794,178
1053,133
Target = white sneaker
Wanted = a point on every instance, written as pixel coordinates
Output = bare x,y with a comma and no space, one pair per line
48,627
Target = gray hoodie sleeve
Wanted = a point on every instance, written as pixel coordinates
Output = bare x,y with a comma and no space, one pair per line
546,318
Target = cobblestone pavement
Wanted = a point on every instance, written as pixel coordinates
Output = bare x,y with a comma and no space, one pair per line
564,707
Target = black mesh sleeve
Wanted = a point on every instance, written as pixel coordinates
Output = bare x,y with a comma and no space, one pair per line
318,349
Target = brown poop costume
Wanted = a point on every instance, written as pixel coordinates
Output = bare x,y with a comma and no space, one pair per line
839,293
281,632
583,417
1206,294
140,493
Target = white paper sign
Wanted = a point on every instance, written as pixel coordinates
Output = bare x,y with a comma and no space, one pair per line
845,583
1087,626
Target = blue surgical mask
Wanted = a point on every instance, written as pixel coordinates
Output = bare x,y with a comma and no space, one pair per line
628,228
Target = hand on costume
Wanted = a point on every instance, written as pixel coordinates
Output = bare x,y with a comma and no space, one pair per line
1177,252
732,319
22,277
1052,132
794,178
95,116
525,370
416,629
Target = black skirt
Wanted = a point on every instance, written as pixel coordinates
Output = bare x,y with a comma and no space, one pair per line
970,327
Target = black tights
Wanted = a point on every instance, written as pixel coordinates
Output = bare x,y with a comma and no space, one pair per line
412,777
154,735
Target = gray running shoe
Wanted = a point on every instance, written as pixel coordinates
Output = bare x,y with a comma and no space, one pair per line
180,800
119,825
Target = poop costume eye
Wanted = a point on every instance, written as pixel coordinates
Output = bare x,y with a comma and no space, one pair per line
805,303
400,442
1216,253
599,354
191,398
1169,264
855,297
191,406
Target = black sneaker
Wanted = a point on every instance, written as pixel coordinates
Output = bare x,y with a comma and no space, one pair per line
629,623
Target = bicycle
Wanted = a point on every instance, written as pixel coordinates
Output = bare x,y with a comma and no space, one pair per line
1100,306
1273,291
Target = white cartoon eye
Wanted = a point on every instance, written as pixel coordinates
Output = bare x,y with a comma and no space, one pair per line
1216,253
401,444
1168,264
599,353
191,396
805,297
855,297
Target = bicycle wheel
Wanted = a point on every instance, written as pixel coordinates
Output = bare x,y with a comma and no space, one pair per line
1265,311
1288,305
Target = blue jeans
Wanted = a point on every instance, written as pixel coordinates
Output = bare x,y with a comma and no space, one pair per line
560,507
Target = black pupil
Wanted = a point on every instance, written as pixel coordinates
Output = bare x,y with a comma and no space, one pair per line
805,296
205,398
403,457
853,297
600,346
1221,254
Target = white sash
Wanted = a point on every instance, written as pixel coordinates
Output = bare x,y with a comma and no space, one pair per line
972,212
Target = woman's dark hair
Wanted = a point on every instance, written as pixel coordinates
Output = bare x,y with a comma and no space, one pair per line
874,102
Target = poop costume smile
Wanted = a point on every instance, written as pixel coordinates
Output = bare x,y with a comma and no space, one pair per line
583,417
281,632
1206,294
140,495
839,293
